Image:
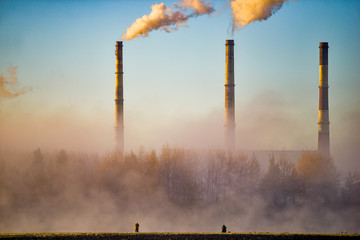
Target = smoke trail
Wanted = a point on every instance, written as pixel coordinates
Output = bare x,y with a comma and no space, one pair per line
199,6
162,17
9,87
247,11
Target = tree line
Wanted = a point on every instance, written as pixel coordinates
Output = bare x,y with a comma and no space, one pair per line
184,179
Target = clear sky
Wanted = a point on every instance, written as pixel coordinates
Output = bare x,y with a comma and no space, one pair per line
174,82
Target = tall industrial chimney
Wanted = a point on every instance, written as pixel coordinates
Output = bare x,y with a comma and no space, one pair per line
229,97
119,99
323,137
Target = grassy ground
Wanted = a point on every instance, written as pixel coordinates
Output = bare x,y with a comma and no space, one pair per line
176,236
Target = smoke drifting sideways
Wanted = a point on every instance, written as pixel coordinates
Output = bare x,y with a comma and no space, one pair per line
247,11
162,17
9,85
167,18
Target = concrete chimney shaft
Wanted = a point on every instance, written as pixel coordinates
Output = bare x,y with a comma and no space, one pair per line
323,137
119,99
229,97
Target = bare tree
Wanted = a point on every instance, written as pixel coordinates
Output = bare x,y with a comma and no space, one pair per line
318,176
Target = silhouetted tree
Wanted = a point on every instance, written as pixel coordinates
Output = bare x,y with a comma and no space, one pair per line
318,177
110,172
61,158
177,176
290,188
151,164
150,173
38,158
215,177
351,192
248,176
270,184
280,185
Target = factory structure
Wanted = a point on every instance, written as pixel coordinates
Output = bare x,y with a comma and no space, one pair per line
229,97
229,125
323,136
119,98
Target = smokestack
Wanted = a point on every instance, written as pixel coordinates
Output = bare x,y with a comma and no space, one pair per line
119,99
229,97
323,138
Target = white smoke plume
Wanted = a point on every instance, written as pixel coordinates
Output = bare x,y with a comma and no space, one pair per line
199,7
167,18
247,11
9,86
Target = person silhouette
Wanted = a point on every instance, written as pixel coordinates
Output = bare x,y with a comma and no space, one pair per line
137,227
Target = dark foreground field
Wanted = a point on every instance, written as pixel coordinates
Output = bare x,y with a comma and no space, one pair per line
177,236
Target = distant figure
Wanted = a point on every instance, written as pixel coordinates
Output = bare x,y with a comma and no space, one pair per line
223,229
137,227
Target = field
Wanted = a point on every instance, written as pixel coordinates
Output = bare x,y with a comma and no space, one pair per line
176,236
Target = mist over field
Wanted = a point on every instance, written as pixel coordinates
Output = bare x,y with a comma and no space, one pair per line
58,170
174,190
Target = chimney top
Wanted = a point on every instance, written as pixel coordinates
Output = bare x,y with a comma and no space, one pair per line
229,42
323,45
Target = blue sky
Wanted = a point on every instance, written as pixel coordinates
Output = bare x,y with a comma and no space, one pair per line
174,82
